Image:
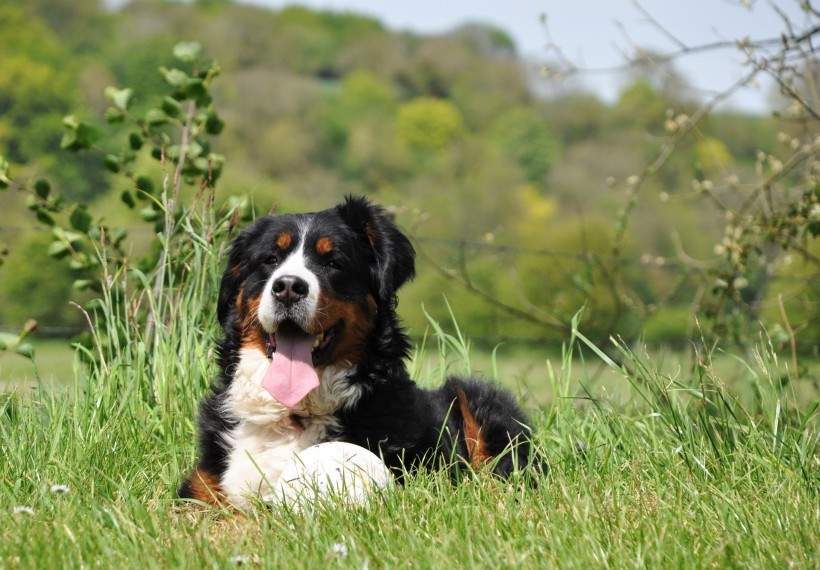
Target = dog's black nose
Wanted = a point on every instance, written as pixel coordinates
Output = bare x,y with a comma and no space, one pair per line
290,289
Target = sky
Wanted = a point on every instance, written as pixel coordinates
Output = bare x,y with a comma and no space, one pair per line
597,34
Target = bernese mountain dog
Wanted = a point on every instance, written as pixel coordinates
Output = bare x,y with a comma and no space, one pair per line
313,351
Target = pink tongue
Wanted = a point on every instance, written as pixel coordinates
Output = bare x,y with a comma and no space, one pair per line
291,375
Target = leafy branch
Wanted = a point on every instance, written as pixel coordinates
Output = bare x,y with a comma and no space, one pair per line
174,133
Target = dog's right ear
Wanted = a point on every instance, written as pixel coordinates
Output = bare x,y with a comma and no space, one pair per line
393,254
232,278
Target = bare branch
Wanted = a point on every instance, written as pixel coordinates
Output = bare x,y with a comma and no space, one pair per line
509,309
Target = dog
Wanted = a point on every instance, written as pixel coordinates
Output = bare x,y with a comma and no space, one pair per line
313,351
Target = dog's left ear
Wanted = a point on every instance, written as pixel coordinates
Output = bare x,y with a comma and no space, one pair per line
231,280
394,254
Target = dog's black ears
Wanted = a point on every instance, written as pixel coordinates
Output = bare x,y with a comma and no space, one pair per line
232,279
393,253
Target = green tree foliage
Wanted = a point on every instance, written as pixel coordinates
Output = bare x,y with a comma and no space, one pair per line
577,117
514,189
793,301
37,286
641,106
428,124
315,38
71,21
363,95
35,87
487,39
527,138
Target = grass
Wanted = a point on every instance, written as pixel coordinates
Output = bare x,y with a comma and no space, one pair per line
655,464
677,475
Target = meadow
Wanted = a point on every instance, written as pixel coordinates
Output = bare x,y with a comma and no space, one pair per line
706,456
646,468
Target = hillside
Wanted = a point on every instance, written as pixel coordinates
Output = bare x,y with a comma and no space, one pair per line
511,198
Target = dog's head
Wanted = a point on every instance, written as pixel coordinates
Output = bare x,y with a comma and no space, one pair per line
306,288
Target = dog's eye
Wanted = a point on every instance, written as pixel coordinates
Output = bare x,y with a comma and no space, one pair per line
273,258
332,264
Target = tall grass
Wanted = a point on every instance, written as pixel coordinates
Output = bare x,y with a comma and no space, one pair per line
680,473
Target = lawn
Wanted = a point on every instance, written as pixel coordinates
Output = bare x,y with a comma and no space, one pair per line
647,467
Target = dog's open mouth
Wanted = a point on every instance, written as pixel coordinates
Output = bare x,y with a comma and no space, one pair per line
322,343
295,355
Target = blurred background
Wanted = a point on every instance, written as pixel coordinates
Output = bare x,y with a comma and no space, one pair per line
543,158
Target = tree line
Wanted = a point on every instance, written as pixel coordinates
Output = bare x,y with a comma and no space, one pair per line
644,211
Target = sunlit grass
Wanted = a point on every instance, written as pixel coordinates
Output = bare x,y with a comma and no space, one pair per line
682,460
679,475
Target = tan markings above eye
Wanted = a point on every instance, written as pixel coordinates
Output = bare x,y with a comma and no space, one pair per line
283,240
324,245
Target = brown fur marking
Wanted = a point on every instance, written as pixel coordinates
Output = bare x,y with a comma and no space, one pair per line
252,336
283,240
205,487
357,323
476,447
324,245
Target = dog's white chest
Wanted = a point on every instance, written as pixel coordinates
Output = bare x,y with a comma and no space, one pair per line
267,436
259,454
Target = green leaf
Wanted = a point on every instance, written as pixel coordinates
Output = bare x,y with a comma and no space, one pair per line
213,124
194,149
4,174
80,134
128,199
78,263
57,249
25,350
194,88
112,162
44,218
145,184
87,134
203,165
149,214
42,188
67,236
113,116
68,141
187,51
171,106
120,97
174,77
73,238
156,117
80,219
71,122
7,340
82,284
118,236
135,140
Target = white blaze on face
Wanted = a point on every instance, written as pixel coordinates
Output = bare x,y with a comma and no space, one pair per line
270,312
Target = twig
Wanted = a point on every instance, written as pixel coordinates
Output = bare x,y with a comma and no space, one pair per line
550,324
169,206
652,20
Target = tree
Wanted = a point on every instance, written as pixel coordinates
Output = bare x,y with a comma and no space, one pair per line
526,138
428,124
